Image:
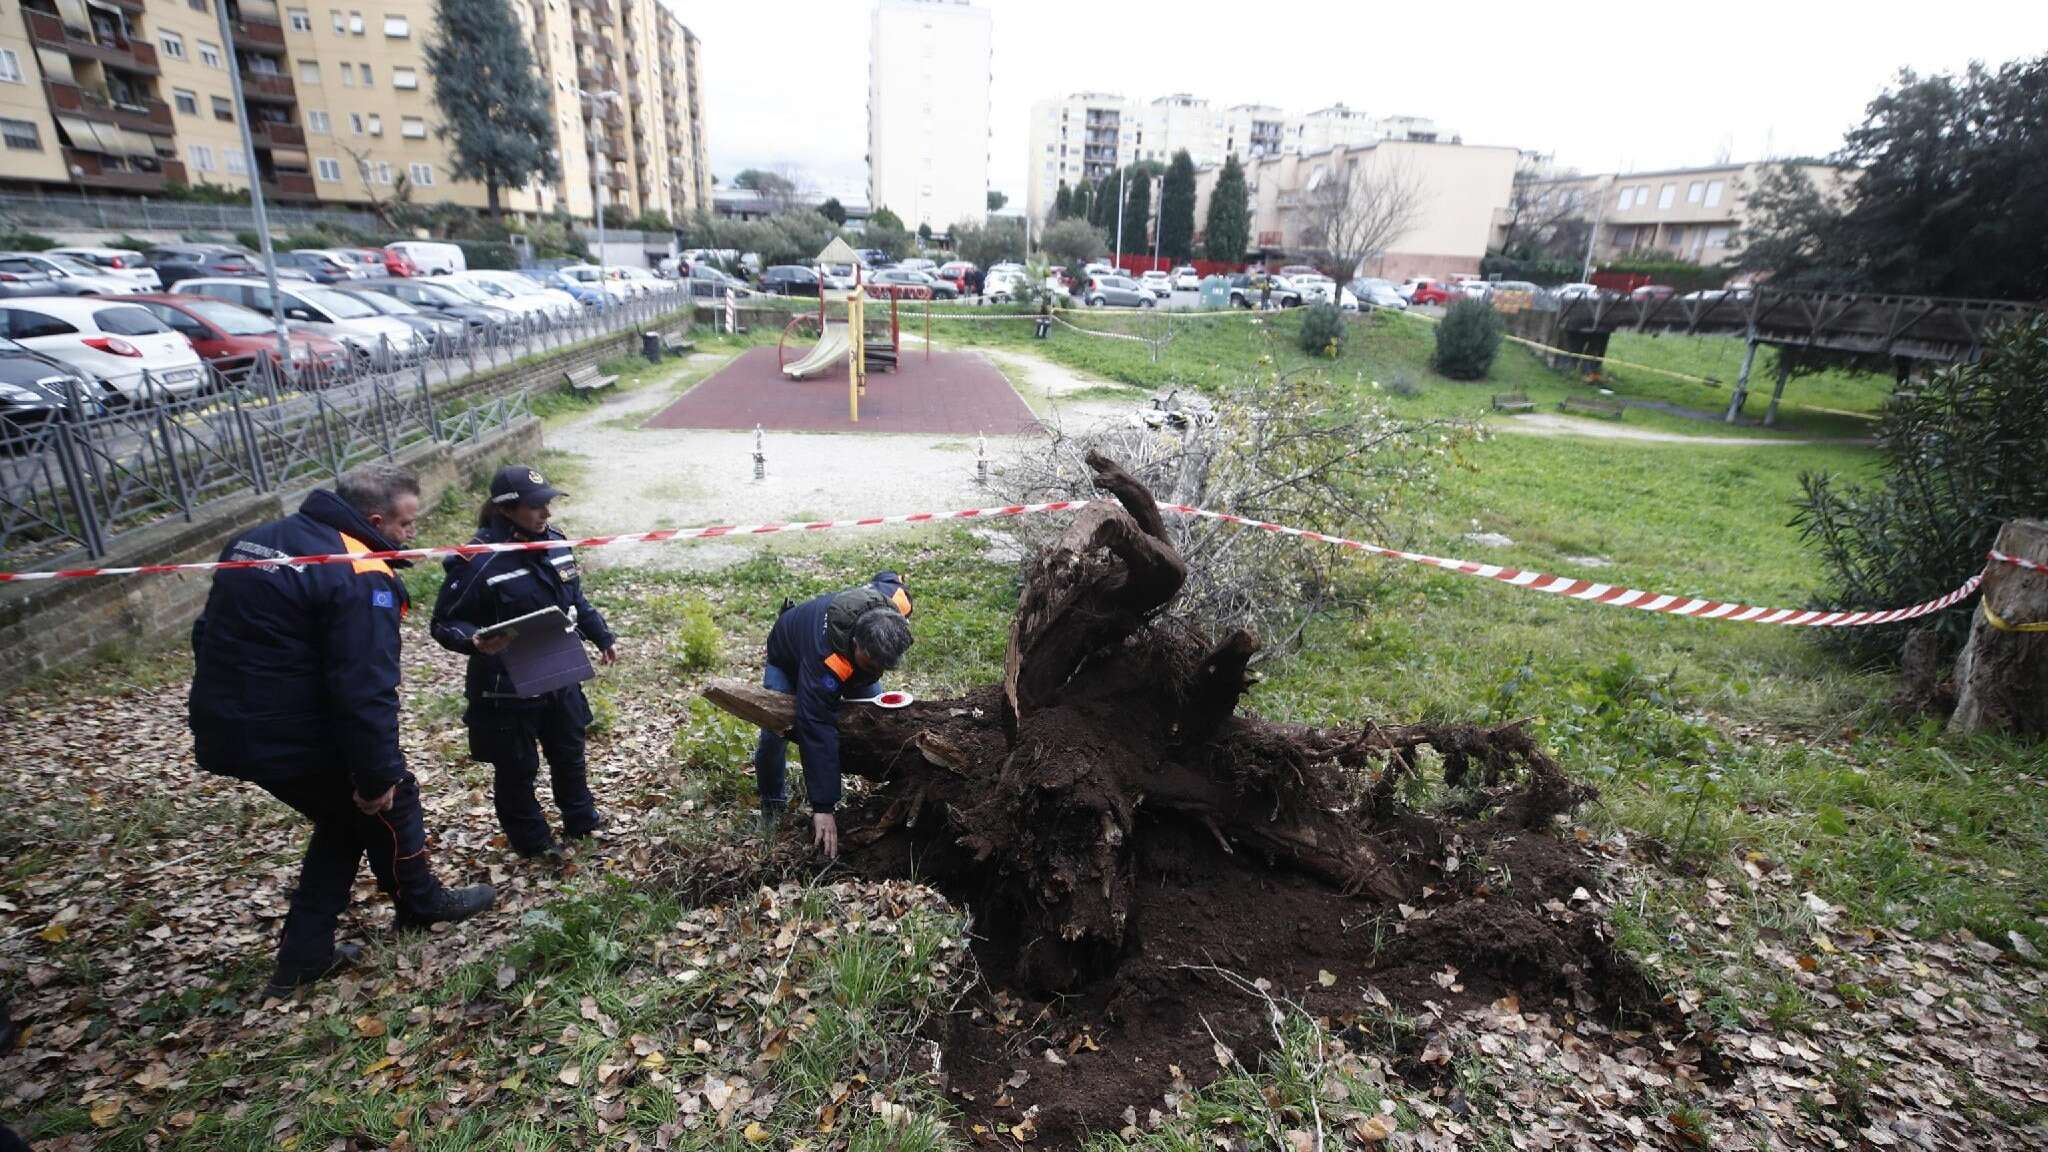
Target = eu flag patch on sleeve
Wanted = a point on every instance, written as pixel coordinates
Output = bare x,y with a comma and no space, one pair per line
381,598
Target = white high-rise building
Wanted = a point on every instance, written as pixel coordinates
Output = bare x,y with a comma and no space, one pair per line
928,111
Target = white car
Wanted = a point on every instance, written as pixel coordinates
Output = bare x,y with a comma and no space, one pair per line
1186,279
1369,292
77,274
837,277
615,286
430,258
1577,291
525,293
1159,284
125,347
320,310
1315,288
639,279
121,263
1005,283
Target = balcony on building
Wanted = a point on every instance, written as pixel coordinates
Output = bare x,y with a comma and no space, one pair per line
289,186
139,113
105,38
275,133
270,87
257,25
122,173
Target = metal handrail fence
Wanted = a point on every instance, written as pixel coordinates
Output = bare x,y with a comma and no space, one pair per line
74,484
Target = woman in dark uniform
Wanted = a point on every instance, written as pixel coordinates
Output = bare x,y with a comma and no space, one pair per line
504,727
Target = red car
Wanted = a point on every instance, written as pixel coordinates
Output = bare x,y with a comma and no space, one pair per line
1427,292
399,264
231,337
956,274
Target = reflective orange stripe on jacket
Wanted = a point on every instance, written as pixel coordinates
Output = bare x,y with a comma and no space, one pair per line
839,666
351,544
901,600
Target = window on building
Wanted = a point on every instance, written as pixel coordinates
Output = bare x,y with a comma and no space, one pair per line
202,158
262,65
1694,191
1713,193
355,123
396,27
1622,201
413,128
355,22
233,160
328,169
348,75
197,5
21,135
223,109
186,101
376,123
383,172
209,54
422,175
173,45
368,79
1717,238
10,66
301,20
340,25
1666,195
319,123
405,79
309,71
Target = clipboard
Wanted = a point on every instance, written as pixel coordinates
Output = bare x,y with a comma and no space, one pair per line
546,652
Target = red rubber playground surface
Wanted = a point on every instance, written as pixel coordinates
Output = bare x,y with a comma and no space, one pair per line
954,392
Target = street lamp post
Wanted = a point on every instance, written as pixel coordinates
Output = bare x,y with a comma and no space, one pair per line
227,39
597,99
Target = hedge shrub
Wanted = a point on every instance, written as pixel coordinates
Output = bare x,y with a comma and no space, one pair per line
1322,330
1467,340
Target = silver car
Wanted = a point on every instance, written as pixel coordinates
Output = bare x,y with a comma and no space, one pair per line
1117,292
75,277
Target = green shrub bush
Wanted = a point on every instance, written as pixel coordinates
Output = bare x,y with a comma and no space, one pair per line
25,242
1322,330
1467,340
494,254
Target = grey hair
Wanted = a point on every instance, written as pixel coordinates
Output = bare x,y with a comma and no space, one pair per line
883,635
373,489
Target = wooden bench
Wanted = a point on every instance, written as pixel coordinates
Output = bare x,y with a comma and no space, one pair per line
1591,406
587,379
1513,402
675,344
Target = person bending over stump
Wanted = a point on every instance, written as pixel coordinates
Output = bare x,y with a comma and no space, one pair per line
827,649
505,727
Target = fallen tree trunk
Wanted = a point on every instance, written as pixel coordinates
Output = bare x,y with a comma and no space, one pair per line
2002,674
1030,799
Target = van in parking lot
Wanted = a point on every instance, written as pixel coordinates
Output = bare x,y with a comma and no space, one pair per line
431,258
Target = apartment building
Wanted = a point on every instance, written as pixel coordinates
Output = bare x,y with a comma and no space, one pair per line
1693,214
1459,189
1086,135
929,63
339,102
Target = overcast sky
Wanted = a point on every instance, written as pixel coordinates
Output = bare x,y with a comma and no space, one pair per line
1638,84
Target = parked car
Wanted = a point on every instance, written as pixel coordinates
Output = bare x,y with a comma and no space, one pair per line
900,277
1709,295
81,278
1116,292
1158,283
1315,288
587,293
120,263
872,257
1186,279
431,258
233,338
706,281
35,389
323,266
789,280
373,261
127,351
1576,291
1367,292
528,294
398,263
19,278
1005,283
437,330
1245,291
1425,292
436,298
175,262
640,280
917,264
323,311
958,273
1653,292
1294,271
587,275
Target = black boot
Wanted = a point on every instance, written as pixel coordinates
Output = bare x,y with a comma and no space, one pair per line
447,906
585,830
286,980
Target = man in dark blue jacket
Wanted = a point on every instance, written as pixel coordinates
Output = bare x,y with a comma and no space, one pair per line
831,648
295,689
505,727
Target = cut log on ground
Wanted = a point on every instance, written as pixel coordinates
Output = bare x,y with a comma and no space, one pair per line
2002,675
1031,800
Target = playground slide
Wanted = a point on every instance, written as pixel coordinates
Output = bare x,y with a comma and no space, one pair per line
830,348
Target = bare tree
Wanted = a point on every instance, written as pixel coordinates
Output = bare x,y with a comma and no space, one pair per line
1355,215
1538,210
380,205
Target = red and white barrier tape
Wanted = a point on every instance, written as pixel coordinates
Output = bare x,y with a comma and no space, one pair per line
2018,562
1586,590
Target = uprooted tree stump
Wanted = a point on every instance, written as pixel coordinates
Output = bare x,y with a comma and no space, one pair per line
1030,798
2002,674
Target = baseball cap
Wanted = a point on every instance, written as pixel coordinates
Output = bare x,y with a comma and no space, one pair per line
517,483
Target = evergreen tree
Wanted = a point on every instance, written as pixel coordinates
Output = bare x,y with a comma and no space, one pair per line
1228,229
493,101
1102,207
1062,204
884,218
1137,215
833,210
1082,205
1177,209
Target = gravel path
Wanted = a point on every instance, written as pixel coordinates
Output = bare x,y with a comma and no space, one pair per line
1549,424
635,478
